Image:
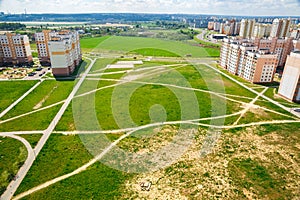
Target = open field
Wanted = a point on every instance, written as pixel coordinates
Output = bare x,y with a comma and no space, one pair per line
13,155
232,131
130,44
12,90
99,181
88,44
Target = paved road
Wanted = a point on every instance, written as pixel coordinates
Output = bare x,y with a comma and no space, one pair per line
20,99
8,194
202,37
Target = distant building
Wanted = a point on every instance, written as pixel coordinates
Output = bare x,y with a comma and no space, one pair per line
296,44
65,53
261,30
217,26
247,28
255,60
296,34
290,83
210,25
15,50
281,28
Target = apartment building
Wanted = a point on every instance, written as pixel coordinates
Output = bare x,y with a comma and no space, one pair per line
282,47
42,39
65,53
290,83
1,56
60,49
262,30
254,60
15,49
295,34
247,28
281,28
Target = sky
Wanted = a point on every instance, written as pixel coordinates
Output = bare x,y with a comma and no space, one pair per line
221,7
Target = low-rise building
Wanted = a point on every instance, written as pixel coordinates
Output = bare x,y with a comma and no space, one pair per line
290,83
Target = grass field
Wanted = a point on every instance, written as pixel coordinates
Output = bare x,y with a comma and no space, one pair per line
33,139
258,162
12,153
66,153
129,44
12,90
49,92
154,52
88,44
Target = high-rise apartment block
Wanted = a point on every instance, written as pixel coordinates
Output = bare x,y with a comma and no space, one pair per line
255,60
42,39
247,28
243,58
290,83
296,34
61,49
261,30
15,49
281,28
230,27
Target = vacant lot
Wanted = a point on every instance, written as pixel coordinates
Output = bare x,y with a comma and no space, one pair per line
12,90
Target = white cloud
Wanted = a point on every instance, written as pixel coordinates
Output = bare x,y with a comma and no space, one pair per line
233,7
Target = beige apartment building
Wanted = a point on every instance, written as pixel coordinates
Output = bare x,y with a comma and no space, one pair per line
60,49
15,49
281,28
290,83
255,60
247,28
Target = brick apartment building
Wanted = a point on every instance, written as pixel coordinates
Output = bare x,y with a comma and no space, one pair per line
255,60
61,50
15,50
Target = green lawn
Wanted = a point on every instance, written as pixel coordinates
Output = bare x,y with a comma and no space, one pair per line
66,154
128,44
47,93
37,121
154,52
12,90
13,154
33,139
88,44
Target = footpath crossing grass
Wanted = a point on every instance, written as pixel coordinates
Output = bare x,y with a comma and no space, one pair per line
12,90
66,154
49,92
12,155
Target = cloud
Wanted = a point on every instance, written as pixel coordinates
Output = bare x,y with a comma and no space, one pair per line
229,7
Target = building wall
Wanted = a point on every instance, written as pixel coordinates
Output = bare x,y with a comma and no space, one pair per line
244,59
290,83
15,49
65,53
